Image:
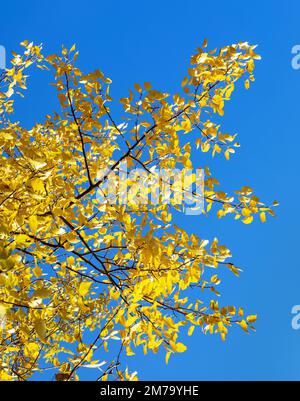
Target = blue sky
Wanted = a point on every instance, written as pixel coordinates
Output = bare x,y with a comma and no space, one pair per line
137,41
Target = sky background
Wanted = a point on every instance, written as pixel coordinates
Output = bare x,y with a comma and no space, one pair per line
138,41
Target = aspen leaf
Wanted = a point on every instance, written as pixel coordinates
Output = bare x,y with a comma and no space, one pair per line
138,88
37,185
115,295
84,288
23,239
263,217
191,330
38,164
248,220
31,349
251,318
42,293
33,223
186,126
205,147
178,347
243,325
40,329
37,271
129,351
184,81
168,354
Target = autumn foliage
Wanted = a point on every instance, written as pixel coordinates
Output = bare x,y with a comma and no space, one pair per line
75,274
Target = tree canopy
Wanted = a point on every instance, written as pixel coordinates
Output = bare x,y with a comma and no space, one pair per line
78,275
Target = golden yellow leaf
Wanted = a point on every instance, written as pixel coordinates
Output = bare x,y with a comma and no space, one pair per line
178,347
263,217
191,330
42,293
248,220
33,223
251,318
37,185
129,351
40,329
243,325
37,271
84,287
168,354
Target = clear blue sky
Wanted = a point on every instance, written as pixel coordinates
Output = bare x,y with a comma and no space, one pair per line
137,41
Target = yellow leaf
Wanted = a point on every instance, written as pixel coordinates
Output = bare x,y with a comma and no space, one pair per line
84,287
147,86
2,312
31,349
38,164
33,223
122,320
42,293
40,329
186,126
191,330
246,212
138,88
263,217
248,220
243,325
37,185
251,318
37,271
205,147
184,81
23,239
129,351
115,295
178,347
